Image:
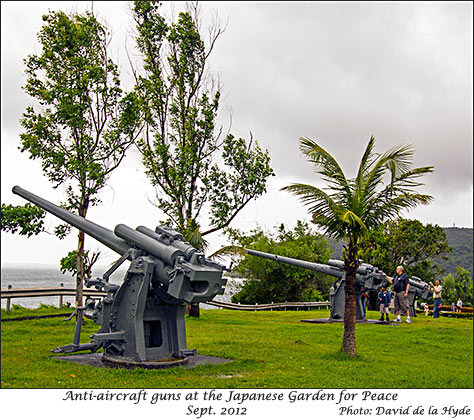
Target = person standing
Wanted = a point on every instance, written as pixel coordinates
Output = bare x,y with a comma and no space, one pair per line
459,305
401,286
384,301
364,302
437,298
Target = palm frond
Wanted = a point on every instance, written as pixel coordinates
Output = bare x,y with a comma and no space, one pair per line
331,225
383,187
229,250
407,179
391,208
195,238
327,212
366,161
400,186
316,199
352,220
324,162
396,160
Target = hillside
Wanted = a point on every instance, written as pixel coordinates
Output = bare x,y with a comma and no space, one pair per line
459,239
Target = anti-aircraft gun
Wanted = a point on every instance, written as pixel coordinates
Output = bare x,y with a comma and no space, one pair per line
368,278
419,289
142,319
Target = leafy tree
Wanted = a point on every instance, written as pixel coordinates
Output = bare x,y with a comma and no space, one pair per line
82,123
459,285
406,242
26,220
69,263
192,167
270,281
350,208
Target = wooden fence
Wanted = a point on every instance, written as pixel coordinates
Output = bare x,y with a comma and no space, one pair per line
271,306
62,291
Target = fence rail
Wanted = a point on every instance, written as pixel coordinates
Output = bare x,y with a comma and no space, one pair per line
61,291
271,306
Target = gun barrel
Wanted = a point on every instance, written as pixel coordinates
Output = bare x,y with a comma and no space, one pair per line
320,268
167,253
103,235
187,249
419,284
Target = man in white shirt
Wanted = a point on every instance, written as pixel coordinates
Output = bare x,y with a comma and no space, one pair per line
437,297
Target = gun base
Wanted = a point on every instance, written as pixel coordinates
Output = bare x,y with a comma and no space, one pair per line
124,362
72,348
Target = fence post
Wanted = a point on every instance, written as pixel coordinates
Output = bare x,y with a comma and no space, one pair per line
61,296
9,301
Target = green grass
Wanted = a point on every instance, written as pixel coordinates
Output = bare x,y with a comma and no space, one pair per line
18,311
268,349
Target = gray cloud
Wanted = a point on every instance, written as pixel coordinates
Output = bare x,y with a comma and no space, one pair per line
339,72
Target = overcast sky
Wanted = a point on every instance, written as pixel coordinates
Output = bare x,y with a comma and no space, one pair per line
335,72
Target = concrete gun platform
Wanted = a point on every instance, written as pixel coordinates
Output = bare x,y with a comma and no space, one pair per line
97,360
359,321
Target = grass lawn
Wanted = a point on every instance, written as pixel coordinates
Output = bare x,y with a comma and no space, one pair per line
268,350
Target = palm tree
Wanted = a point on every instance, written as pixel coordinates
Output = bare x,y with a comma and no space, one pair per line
349,208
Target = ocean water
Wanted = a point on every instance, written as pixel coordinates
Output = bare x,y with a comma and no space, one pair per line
27,277
21,277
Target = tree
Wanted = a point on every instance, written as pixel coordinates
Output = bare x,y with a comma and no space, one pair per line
192,168
26,220
83,123
270,281
457,286
350,208
69,263
406,242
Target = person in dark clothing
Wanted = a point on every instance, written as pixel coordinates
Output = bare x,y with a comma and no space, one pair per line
364,302
384,301
401,286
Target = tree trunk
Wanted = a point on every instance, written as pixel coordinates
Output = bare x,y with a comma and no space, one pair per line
349,341
80,258
80,270
193,310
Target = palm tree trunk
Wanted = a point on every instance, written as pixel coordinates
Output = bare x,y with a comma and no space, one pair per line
349,341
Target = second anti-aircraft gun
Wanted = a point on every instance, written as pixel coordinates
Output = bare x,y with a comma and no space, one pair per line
368,278
142,319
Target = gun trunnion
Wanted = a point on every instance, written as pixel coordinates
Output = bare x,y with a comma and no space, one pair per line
368,278
142,319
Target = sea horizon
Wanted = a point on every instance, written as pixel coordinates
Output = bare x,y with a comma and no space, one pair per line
28,276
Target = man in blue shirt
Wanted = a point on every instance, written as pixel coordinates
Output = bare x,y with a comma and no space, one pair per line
400,287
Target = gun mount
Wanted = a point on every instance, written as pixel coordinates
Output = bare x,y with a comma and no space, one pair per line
368,278
419,289
142,319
